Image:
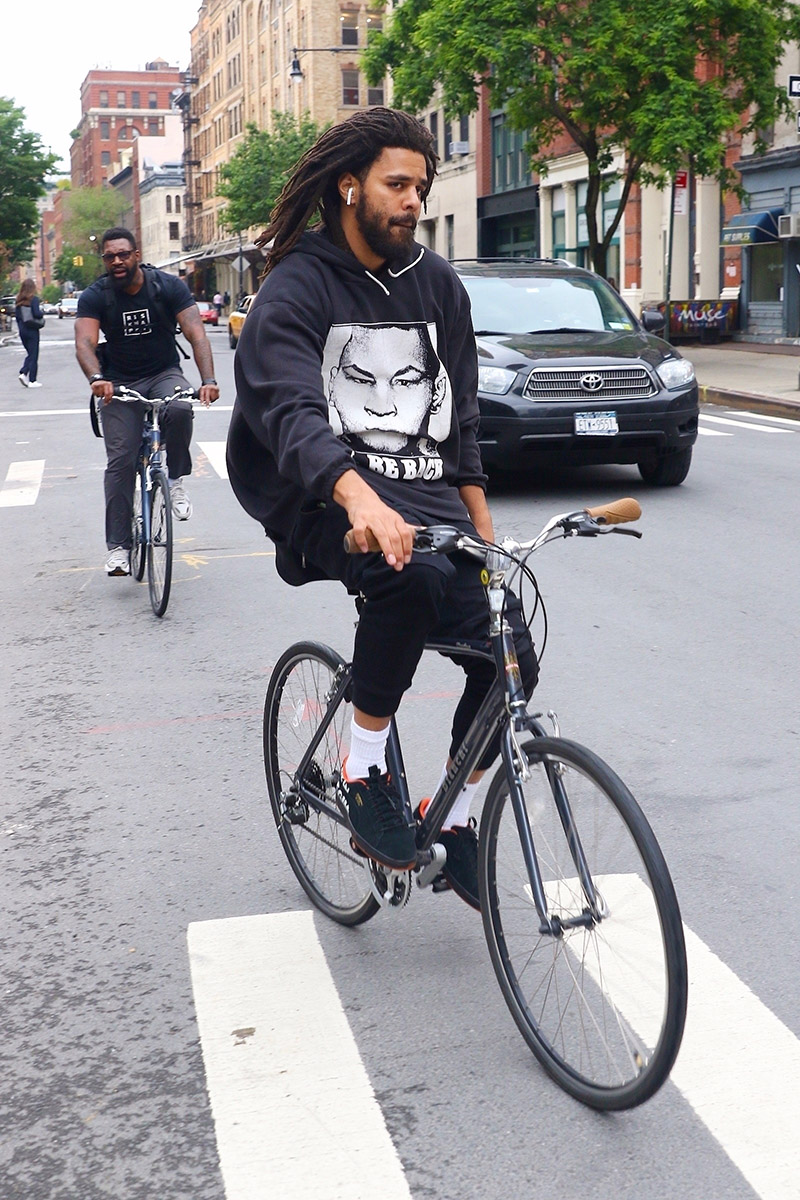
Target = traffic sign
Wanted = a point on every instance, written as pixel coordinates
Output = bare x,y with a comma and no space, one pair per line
793,86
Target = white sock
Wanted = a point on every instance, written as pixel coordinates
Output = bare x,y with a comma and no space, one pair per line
367,749
174,482
459,813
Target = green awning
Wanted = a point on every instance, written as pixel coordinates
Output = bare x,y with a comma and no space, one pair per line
752,228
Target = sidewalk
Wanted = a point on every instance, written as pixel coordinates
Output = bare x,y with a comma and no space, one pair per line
747,375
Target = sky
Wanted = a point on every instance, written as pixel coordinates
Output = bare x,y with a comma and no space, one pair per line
50,45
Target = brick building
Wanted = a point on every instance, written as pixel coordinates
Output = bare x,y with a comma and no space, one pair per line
116,108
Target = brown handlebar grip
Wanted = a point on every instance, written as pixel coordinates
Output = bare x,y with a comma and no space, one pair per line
617,512
352,547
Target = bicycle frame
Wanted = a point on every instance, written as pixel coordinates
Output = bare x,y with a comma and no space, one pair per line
503,710
148,461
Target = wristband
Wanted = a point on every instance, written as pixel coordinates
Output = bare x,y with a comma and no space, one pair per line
209,382
97,378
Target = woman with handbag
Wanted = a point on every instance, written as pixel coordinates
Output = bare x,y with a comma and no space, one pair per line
30,319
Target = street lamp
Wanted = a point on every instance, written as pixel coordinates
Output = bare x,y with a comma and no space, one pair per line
296,71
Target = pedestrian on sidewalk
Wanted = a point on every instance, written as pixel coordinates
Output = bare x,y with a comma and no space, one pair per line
218,303
30,319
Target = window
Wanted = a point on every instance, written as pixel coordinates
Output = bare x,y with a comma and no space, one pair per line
120,99
174,232
152,99
122,136
152,126
349,87
349,26
463,132
448,138
374,23
136,99
177,204
766,273
105,158
434,120
169,204
449,233
104,130
104,99
375,94
510,163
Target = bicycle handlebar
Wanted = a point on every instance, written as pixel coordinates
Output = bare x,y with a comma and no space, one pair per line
130,396
585,522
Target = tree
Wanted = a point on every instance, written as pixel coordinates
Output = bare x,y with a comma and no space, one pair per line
88,212
24,166
254,177
77,266
664,83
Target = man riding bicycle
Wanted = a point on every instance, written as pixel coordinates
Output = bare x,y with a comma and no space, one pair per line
137,308
356,407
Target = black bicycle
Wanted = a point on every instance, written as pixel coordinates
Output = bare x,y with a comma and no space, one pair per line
152,510
579,911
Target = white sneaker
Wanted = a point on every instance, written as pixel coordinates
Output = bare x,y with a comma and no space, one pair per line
34,383
181,504
119,561
23,379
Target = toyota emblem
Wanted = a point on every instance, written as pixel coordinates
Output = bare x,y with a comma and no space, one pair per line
592,382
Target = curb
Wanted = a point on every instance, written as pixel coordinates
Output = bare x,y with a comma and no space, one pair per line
787,407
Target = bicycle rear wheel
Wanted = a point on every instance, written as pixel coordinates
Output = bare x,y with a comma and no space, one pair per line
159,552
602,1003
313,832
138,543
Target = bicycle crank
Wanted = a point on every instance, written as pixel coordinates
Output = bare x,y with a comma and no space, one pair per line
391,889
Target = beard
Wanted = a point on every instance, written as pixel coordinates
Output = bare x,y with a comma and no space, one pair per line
386,238
119,282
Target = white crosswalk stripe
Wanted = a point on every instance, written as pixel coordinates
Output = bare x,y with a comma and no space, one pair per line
215,453
22,483
275,1072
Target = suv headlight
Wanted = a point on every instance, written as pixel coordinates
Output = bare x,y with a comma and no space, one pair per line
675,372
496,380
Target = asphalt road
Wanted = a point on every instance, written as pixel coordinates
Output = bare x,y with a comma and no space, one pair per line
134,810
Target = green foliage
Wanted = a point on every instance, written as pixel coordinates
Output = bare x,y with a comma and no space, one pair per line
255,176
24,166
51,292
88,212
663,82
65,269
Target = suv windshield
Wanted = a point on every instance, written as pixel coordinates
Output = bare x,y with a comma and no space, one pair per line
514,304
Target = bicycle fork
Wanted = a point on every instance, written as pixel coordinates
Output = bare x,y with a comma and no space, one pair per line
594,911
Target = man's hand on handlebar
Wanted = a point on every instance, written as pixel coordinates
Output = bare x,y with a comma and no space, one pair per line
375,526
209,392
103,389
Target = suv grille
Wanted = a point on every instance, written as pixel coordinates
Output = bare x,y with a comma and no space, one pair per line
564,383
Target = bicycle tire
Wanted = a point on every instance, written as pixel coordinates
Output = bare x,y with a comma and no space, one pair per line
316,842
601,1007
138,540
159,550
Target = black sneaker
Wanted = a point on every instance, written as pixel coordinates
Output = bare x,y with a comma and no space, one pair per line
461,868
377,823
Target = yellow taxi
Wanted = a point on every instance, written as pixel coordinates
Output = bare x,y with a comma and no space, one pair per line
236,320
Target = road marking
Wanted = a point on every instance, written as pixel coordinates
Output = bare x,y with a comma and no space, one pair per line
738,1065
215,453
742,424
712,432
293,1107
22,483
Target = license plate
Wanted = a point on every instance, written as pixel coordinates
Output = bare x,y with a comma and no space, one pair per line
602,423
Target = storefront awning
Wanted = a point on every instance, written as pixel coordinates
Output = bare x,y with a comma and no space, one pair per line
752,228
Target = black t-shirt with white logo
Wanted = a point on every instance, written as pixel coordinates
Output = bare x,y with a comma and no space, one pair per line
140,342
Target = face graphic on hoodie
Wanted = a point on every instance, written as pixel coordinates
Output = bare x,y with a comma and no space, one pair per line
388,393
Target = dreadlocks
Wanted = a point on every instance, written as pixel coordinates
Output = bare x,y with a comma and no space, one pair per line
353,146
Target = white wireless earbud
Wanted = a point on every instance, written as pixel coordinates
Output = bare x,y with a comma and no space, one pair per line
349,199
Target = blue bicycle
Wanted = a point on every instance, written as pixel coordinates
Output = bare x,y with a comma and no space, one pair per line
152,511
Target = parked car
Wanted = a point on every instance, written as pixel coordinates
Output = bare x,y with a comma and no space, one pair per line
67,307
567,374
236,320
208,313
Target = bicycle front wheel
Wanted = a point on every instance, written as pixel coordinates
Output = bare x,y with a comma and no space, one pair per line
602,1000
313,832
138,542
159,552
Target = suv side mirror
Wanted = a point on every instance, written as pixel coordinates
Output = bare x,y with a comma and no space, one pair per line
652,320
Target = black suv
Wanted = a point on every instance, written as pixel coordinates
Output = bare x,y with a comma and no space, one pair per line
566,372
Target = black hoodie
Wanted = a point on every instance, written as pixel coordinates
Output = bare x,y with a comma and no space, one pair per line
338,367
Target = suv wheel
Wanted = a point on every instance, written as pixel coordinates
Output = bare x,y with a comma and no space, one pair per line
666,470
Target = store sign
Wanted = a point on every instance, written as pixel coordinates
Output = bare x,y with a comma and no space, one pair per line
680,199
793,86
